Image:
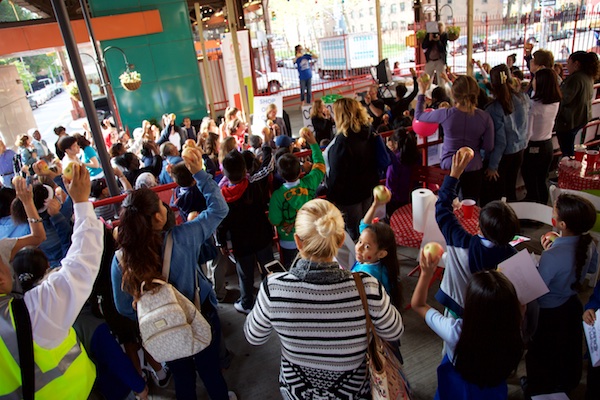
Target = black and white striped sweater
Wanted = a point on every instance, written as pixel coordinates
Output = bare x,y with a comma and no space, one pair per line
321,323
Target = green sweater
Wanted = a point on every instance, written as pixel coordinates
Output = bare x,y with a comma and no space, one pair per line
285,202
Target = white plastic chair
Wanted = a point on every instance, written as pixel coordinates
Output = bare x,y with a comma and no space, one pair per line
533,211
595,200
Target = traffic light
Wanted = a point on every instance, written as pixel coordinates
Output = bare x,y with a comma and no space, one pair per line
273,16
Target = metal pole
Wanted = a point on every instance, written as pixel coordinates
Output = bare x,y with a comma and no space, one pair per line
233,24
437,11
379,38
470,36
209,91
62,18
99,60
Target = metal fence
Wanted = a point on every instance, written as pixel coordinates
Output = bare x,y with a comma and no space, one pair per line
347,59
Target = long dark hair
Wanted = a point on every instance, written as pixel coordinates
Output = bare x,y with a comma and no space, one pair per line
588,63
140,243
30,265
384,235
500,79
407,146
547,90
579,215
490,345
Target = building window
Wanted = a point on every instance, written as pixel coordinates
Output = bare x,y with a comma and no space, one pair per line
360,13
352,14
372,28
394,25
361,28
403,6
371,11
449,1
393,9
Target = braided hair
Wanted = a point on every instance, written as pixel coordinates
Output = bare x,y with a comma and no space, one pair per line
579,215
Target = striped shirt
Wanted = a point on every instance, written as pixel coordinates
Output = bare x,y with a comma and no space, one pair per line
321,324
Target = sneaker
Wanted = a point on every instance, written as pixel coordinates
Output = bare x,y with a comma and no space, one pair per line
240,308
162,383
232,396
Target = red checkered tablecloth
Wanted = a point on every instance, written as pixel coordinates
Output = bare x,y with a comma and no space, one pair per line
577,176
402,225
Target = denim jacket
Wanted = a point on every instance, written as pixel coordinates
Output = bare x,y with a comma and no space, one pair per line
510,130
187,239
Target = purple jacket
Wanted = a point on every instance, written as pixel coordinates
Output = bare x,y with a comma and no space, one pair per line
460,129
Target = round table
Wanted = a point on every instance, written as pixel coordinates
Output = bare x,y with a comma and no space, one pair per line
577,175
402,225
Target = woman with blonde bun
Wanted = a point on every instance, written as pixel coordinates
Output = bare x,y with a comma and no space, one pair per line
316,297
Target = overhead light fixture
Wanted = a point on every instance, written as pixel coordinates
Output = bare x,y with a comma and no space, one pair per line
251,3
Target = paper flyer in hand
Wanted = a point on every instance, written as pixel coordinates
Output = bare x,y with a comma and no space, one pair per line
592,336
521,270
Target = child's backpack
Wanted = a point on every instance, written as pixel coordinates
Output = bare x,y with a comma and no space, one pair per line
171,326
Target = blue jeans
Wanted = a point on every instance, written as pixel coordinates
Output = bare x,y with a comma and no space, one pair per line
206,363
305,87
245,269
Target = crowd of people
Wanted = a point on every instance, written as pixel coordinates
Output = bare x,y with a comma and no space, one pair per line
80,271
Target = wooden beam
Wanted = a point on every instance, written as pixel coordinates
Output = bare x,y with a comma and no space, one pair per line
47,35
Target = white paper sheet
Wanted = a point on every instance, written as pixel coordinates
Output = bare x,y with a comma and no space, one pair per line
551,396
521,270
592,336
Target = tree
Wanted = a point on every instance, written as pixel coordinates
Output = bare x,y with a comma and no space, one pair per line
24,74
10,12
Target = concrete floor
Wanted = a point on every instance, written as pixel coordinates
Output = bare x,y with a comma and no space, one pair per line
254,371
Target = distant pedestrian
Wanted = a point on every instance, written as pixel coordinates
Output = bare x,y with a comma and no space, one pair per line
302,62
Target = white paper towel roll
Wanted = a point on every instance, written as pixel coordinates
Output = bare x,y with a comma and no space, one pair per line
421,200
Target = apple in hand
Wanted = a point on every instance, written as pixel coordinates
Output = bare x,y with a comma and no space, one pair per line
551,236
192,215
68,171
466,152
382,194
189,143
42,166
425,77
433,250
188,152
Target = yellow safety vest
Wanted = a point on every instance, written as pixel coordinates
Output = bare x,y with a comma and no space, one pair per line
64,372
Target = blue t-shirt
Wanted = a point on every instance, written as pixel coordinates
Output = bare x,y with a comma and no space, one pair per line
88,154
303,65
377,271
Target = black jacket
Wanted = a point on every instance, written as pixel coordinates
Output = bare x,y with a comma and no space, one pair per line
352,167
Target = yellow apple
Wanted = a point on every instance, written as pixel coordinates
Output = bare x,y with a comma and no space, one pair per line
382,194
466,152
42,166
189,143
551,236
68,171
425,77
188,152
435,249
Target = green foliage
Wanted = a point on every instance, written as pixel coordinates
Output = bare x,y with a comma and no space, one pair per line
24,74
41,64
7,13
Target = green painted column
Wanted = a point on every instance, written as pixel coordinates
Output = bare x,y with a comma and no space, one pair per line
166,61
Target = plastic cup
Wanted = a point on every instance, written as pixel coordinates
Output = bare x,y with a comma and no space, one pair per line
579,153
592,156
468,206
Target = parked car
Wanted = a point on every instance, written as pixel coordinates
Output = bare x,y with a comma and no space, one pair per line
562,34
269,82
32,102
459,46
507,39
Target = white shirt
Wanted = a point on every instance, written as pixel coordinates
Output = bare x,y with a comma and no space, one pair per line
541,120
55,303
175,138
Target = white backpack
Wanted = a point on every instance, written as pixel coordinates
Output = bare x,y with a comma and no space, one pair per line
171,326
